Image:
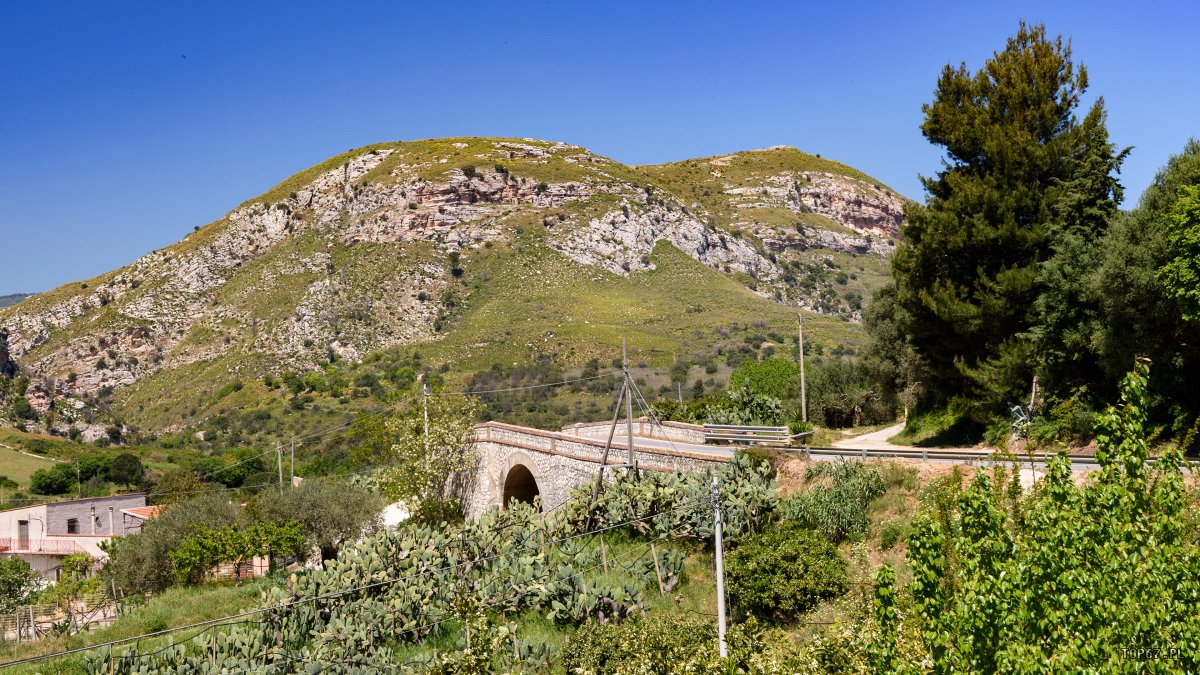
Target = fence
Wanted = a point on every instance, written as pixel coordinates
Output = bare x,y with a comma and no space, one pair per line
42,546
752,435
33,622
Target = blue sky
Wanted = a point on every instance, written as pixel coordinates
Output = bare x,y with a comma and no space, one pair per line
123,125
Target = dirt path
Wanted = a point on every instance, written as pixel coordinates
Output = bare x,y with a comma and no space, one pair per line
30,454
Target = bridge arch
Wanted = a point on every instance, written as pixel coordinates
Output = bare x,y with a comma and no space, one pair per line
519,485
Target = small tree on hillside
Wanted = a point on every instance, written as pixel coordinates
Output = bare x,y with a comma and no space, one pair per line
428,471
126,469
330,512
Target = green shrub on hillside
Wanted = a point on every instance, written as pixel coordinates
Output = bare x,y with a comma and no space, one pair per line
53,481
1089,578
838,508
675,643
783,572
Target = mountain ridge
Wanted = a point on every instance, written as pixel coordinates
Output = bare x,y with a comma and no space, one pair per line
386,245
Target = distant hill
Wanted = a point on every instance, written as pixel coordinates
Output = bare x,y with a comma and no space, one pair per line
14,298
476,251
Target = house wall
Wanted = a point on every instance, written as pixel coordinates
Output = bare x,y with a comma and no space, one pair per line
82,510
36,515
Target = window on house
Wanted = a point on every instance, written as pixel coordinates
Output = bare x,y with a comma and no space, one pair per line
72,526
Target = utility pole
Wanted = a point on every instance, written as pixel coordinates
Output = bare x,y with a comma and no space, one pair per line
279,461
679,391
803,388
716,500
628,399
425,391
293,482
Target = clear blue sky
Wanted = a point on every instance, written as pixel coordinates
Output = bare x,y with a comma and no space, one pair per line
123,125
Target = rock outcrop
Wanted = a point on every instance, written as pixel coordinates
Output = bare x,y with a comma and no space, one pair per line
8,367
354,255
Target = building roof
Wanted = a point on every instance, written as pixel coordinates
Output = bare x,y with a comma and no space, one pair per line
143,512
74,501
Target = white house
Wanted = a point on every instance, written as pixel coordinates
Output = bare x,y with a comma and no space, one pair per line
44,534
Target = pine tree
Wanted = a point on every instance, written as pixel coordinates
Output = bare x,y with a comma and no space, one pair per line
1018,162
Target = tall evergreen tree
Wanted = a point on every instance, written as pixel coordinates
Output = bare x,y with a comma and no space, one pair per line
1141,314
1017,162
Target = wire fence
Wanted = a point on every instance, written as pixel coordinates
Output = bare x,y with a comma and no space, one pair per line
36,621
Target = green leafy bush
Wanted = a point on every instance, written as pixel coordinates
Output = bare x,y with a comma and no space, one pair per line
679,644
53,481
748,495
1083,577
18,583
892,534
838,507
784,572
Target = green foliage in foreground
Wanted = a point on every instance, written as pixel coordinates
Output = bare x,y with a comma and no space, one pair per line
18,582
680,505
1068,579
207,547
677,643
429,581
419,577
837,508
784,572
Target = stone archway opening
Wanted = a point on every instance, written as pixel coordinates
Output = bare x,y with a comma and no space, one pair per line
520,485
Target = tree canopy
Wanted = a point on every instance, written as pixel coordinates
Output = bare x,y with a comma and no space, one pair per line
1021,170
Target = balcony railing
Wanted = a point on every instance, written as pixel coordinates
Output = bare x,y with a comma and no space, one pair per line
47,546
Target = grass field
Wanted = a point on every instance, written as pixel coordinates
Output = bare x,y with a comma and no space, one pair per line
175,607
20,467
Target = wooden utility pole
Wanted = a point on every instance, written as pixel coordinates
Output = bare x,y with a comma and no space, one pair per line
803,387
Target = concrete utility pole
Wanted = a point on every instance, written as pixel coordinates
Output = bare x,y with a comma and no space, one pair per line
628,399
803,387
719,545
425,391
293,481
279,463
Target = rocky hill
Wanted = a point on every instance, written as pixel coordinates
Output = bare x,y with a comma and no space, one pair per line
13,298
443,243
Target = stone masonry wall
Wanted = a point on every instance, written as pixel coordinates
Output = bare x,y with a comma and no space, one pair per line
642,426
558,462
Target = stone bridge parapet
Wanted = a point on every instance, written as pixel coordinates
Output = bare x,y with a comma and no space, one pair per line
642,426
518,462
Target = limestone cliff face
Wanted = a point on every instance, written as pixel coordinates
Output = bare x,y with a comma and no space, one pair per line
354,255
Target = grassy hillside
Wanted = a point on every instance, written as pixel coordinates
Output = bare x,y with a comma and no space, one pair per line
12,299
17,466
455,256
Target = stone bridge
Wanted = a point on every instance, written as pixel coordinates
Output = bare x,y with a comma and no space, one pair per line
522,463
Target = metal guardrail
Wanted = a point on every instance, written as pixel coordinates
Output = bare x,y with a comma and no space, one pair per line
926,455
746,433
